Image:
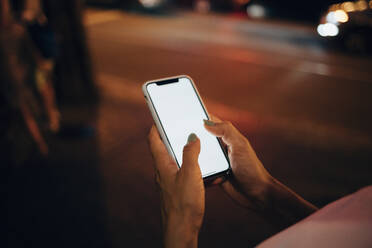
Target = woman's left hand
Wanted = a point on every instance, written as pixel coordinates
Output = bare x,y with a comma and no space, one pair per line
182,191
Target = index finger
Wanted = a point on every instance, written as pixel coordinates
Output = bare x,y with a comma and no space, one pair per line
214,118
164,163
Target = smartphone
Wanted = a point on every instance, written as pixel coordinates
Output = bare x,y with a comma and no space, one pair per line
178,111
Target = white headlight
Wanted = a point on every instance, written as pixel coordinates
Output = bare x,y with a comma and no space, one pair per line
331,17
328,29
150,3
256,11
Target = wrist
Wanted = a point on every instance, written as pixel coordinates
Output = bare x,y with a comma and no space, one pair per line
259,193
272,189
181,231
259,190
281,205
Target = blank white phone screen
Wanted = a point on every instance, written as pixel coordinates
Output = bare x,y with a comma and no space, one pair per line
181,113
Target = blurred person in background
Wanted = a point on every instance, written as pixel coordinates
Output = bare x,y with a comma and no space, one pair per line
19,91
45,53
344,223
31,61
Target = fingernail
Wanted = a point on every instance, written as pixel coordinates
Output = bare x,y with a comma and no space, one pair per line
209,123
192,137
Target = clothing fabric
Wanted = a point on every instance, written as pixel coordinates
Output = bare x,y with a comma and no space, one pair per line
346,222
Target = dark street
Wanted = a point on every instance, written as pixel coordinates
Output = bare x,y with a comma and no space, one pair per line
305,108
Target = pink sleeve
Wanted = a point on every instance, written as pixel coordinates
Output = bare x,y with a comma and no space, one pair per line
346,222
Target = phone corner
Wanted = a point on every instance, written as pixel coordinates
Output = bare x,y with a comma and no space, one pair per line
186,76
144,87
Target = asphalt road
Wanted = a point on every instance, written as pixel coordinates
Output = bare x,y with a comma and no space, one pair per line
305,109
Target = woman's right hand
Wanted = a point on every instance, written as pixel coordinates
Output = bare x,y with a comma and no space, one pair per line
250,179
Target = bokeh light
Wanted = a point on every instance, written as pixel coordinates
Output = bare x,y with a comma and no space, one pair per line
328,29
361,5
348,6
150,3
256,11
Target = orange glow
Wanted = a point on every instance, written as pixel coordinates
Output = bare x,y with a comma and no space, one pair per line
241,2
361,5
348,6
333,7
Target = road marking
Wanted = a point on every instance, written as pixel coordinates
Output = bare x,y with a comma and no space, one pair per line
300,131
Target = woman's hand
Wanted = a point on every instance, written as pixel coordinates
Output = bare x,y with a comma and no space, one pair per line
251,185
182,191
250,179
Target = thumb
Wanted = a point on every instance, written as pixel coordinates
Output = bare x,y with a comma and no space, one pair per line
228,133
191,153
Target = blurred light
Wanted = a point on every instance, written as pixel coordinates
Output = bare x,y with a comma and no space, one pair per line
328,29
348,6
337,16
341,16
333,7
320,30
256,11
361,5
370,4
202,6
331,17
150,3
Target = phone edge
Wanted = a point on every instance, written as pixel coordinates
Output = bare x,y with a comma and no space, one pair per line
156,118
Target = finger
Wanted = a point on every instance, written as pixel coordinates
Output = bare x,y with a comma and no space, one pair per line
156,145
228,133
214,118
164,163
190,155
